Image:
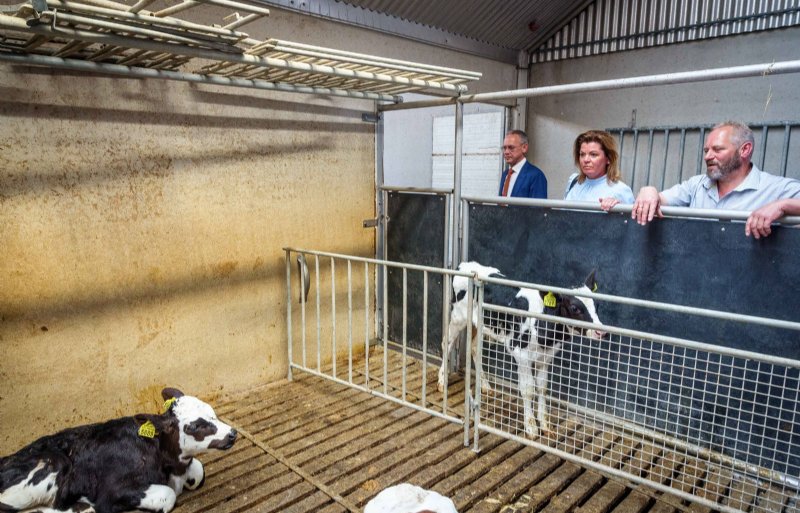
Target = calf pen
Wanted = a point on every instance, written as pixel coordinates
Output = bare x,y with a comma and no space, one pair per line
713,427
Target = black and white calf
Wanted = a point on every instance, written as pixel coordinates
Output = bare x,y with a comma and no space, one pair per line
133,463
536,343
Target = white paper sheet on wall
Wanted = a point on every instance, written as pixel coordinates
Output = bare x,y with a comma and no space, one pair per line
481,162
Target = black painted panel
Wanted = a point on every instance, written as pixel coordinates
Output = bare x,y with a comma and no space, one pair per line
415,235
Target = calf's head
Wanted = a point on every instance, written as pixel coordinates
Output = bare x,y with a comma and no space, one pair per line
199,429
571,307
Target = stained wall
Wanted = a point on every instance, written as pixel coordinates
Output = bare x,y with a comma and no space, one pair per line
142,224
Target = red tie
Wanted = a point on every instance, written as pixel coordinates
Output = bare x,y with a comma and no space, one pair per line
508,181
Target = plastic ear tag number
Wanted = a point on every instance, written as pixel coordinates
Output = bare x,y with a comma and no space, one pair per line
168,404
550,300
147,430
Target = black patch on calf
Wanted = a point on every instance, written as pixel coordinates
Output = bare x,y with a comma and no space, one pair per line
199,429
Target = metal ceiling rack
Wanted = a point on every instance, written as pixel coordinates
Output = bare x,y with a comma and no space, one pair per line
109,37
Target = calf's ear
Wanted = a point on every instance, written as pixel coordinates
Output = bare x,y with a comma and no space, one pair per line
590,281
169,393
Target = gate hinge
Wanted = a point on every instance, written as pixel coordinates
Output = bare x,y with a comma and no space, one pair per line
372,223
369,117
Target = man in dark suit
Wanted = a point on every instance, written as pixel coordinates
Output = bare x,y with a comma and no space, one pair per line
524,180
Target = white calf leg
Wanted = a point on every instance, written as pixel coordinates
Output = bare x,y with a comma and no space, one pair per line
527,389
542,377
448,342
486,386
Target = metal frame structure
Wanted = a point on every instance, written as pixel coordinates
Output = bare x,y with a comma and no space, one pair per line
692,136
106,36
664,448
639,407
752,70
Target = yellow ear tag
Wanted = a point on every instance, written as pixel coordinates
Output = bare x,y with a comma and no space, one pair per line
550,300
168,404
594,288
147,430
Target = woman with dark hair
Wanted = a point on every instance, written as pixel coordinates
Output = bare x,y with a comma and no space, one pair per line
598,177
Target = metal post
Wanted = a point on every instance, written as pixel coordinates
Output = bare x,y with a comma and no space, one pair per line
289,312
457,163
380,209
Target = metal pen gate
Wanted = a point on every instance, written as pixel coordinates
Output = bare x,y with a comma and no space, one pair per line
712,425
337,297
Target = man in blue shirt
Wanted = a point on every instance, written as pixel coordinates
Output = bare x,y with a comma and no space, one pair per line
520,179
731,182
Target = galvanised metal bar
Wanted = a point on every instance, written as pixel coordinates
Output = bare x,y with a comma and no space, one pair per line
724,215
468,366
319,323
406,391
656,305
752,70
366,321
289,330
405,333
763,151
349,322
131,15
457,214
333,313
664,163
787,134
385,330
701,131
13,23
369,60
425,336
479,352
681,154
135,72
649,155
700,152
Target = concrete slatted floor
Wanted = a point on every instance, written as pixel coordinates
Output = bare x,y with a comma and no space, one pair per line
311,436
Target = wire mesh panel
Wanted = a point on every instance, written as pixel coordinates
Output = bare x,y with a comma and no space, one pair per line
708,424
335,330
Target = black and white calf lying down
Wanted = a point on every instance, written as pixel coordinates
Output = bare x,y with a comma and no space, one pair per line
533,343
133,463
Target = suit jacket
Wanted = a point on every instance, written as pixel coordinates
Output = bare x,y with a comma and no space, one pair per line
531,183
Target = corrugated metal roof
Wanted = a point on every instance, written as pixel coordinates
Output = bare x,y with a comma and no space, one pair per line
553,29
511,24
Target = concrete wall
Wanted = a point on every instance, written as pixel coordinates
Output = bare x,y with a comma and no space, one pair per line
555,121
143,221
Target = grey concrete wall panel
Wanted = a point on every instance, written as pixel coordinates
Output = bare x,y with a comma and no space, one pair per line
701,263
415,234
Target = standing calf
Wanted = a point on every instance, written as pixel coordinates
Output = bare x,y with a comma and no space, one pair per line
133,463
532,343
536,342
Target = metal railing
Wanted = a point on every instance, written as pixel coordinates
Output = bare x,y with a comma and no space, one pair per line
349,345
712,425
709,424
665,155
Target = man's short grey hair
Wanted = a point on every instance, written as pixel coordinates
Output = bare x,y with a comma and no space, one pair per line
523,137
740,133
